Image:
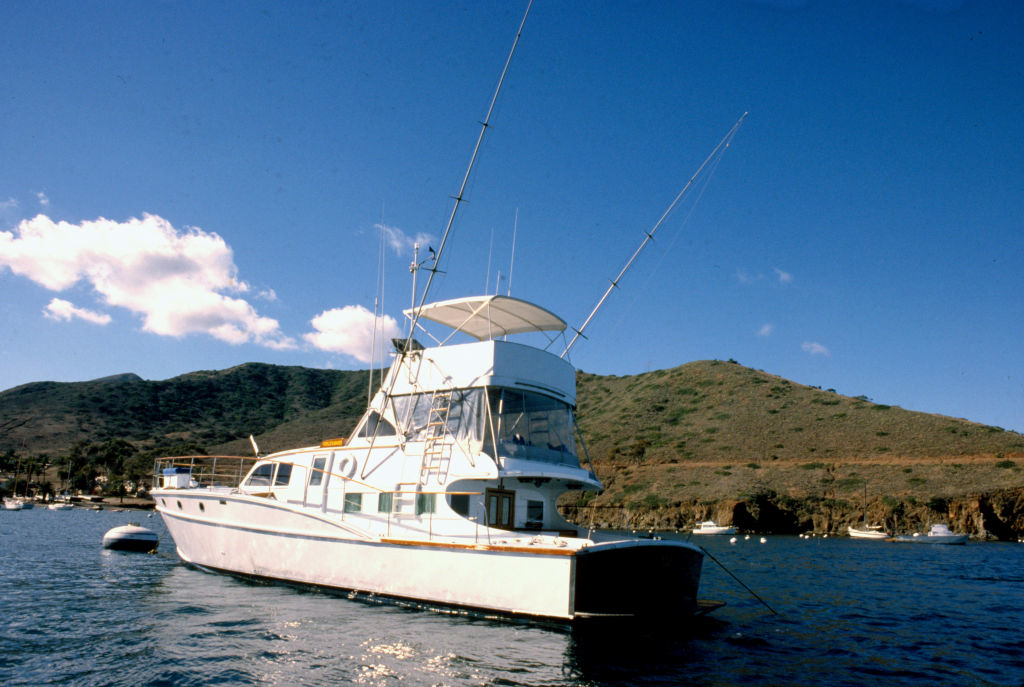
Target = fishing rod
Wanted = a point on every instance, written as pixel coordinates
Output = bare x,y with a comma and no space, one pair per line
649,236
459,198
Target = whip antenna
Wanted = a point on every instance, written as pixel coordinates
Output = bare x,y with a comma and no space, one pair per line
415,316
649,236
465,181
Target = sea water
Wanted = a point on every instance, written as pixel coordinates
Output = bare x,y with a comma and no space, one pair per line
843,612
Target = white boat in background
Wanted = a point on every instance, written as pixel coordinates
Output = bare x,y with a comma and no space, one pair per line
13,504
444,496
709,527
60,505
867,532
937,534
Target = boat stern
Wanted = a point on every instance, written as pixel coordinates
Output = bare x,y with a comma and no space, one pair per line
637,579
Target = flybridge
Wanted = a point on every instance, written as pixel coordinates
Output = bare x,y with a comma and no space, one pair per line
489,317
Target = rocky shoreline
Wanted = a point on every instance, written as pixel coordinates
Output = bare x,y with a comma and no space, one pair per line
996,515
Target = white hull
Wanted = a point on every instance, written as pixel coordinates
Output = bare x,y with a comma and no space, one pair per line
511,575
709,527
860,533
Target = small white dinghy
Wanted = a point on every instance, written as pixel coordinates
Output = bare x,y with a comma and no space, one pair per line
131,538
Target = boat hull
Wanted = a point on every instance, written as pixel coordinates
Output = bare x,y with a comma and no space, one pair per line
952,539
131,538
858,533
503,577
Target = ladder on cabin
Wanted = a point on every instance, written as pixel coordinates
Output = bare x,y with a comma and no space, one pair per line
437,447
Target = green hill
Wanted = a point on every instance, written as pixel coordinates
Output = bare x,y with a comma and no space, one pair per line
706,439
208,408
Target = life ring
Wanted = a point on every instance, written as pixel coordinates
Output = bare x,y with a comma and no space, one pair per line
347,467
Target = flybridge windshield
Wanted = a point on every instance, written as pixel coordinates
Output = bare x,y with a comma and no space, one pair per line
533,426
507,423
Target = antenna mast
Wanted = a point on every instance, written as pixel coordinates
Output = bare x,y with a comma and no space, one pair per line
649,236
414,319
465,180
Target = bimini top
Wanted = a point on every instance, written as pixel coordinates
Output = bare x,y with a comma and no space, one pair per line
488,317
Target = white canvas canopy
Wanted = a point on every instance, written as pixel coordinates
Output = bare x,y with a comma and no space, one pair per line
489,317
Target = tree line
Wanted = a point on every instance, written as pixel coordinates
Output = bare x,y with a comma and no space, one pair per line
114,467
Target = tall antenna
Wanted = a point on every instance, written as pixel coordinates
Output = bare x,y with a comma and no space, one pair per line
649,236
512,262
465,180
414,318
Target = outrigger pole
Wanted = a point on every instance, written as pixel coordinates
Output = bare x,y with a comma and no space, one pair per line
414,318
465,181
649,236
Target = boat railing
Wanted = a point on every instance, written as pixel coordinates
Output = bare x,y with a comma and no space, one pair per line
201,471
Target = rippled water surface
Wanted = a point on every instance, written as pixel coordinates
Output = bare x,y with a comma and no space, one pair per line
849,613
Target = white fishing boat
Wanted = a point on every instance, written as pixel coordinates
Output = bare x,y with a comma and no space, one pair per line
13,504
443,496
60,505
709,527
867,532
936,534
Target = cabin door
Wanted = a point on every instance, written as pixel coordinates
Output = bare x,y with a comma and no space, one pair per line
316,485
501,508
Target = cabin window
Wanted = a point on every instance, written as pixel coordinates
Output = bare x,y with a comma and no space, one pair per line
384,502
353,503
284,475
534,514
261,476
426,503
460,504
316,476
533,426
376,426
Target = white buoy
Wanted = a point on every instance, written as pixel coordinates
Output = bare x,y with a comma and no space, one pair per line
131,538
732,540
764,539
746,537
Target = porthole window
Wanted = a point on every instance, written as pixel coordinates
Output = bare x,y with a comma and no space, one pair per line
163,501
179,505
202,507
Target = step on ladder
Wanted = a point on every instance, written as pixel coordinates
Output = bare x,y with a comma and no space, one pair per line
437,447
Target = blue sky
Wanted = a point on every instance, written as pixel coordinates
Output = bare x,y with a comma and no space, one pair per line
190,185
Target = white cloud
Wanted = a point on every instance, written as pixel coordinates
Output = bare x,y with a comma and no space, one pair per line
784,277
178,281
43,200
349,330
766,330
815,348
400,242
9,204
62,310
